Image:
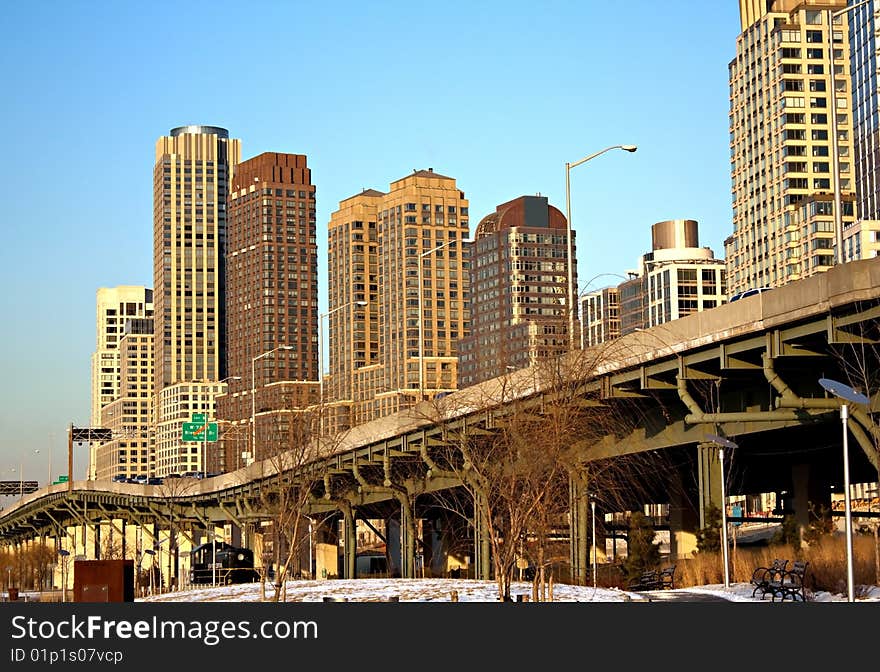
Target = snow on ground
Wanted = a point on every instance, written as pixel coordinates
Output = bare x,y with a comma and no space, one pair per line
441,590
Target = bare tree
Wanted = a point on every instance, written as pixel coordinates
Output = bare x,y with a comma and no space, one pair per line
517,465
173,490
290,473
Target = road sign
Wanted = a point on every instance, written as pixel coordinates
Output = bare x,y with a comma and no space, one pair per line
199,431
62,478
199,417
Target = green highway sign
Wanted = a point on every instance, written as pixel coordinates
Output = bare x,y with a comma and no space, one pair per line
199,431
199,417
62,478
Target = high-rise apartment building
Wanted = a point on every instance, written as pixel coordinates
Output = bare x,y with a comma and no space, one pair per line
782,135
380,245
600,315
518,280
356,376
115,305
130,416
190,184
271,303
863,26
676,278
864,239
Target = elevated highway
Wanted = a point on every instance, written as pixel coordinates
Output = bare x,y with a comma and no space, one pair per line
747,370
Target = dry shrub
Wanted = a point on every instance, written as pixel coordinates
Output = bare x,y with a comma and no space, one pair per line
826,571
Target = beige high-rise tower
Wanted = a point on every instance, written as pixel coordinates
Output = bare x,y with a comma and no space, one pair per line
782,126
122,372
114,306
190,183
377,243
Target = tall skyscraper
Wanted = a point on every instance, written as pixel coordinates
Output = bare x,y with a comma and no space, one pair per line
114,306
271,301
419,225
190,181
782,113
112,377
519,281
356,376
863,26
864,241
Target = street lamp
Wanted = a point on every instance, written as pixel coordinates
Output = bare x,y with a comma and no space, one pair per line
204,460
595,558
835,141
723,443
253,398
421,325
321,353
311,531
848,394
152,554
572,310
63,554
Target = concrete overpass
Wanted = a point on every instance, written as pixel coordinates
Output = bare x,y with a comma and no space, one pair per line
747,370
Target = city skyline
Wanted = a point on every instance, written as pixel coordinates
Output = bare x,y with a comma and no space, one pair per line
500,116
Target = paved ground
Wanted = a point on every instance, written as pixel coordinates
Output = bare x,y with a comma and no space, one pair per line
680,596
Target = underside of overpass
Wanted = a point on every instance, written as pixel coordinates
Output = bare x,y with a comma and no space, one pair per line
747,372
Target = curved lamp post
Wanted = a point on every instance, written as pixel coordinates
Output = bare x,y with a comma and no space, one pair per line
723,443
421,326
254,401
848,394
204,460
321,353
571,288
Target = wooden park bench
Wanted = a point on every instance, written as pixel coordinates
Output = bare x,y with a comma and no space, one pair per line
654,579
781,581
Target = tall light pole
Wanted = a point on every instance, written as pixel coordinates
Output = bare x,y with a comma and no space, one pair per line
848,394
835,141
723,443
63,554
204,460
253,397
421,325
311,531
572,308
595,558
321,354
51,437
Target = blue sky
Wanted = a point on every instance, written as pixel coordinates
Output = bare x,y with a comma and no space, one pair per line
498,95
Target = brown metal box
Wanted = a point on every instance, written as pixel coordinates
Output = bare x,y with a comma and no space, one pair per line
103,581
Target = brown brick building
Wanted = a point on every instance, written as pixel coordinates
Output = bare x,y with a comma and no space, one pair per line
518,281
271,301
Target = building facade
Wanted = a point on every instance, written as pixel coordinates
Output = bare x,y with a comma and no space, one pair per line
518,281
785,122
271,303
863,25
355,376
193,166
420,223
600,311
115,305
863,240
131,451
676,278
